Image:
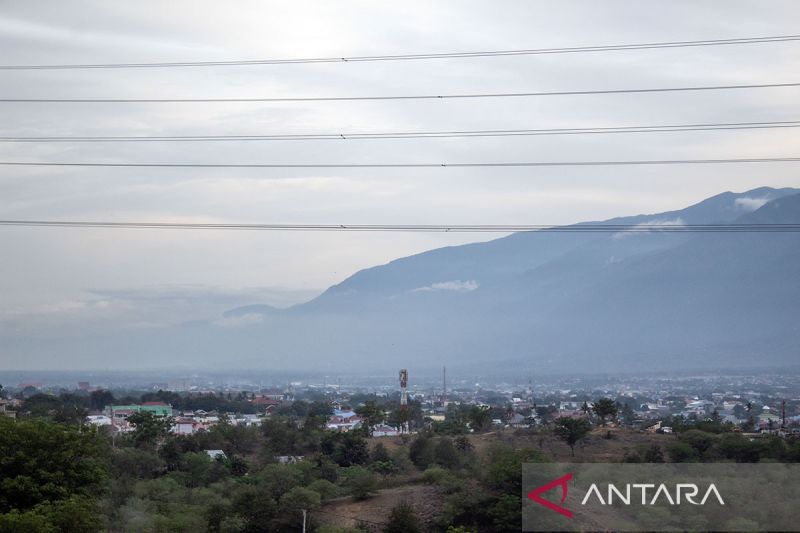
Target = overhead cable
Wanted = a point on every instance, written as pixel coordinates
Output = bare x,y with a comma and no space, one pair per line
413,134
411,57
390,97
454,228
411,165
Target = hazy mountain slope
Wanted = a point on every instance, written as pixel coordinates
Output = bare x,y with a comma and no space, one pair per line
575,301
487,262
530,302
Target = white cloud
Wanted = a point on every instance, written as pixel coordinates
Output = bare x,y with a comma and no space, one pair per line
455,285
750,204
625,234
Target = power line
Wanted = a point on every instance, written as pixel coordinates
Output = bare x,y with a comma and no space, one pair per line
418,134
388,97
409,57
445,228
413,165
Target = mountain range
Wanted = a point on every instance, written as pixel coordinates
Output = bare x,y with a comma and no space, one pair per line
566,302
530,303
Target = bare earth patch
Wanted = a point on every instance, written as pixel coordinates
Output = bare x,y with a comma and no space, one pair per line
374,512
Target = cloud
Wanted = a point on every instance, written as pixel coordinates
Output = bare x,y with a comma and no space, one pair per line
750,204
455,285
625,234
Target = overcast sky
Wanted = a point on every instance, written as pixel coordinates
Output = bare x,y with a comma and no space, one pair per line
73,276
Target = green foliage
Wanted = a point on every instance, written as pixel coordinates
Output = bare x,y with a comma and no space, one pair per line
446,454
27,522
467,507
645,454
360,482
422,451
99,399
571,430
700,441
372,414
379,453
403,519
292,504
136,463
241,440
43,462
276,480
503,472
256,509
384,468
346,449
506,513
434,475
480,419
237,466
605,408
197,469
281,437
324,488
149,429
681,452
40,406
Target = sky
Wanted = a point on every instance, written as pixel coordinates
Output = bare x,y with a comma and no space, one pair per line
72,278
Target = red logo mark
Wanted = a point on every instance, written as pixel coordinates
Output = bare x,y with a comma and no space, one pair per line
560,482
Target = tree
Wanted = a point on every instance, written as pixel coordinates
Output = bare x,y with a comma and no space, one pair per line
43,462
346,449
402,519
701,441
546,413
627,414
680,452
605,408
70,414
256,507
422,452
293,503
506,513
379,453
360,481
238,466
148,429
372,414
738,448
446,454
480,419
281,437
41,405
571,430
98,399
